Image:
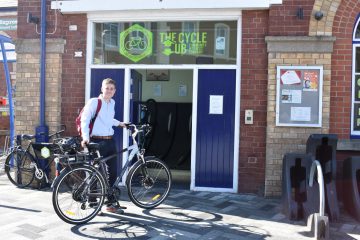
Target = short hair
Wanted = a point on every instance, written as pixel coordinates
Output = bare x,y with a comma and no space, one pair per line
108,81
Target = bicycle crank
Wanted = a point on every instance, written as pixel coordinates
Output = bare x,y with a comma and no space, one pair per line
39,173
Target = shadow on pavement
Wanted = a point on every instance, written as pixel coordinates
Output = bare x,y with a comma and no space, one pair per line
144,227
19,208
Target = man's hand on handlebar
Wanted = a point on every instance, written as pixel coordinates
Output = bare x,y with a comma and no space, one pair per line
84,143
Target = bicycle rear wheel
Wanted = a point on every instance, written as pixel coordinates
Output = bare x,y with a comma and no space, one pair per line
19,168
79,194
149,183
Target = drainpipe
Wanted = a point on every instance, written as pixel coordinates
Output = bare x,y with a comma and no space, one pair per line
9,90
42,131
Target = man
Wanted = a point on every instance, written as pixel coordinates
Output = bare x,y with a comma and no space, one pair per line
102,131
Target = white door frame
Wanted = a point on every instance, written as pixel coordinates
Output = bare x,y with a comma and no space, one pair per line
180,16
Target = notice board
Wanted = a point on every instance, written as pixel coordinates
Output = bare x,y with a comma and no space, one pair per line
299,96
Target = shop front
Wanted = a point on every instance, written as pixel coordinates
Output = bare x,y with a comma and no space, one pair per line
182,60
186,73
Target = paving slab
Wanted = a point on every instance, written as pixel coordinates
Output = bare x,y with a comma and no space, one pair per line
28,214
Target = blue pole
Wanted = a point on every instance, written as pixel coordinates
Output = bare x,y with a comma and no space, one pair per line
42,131
8,83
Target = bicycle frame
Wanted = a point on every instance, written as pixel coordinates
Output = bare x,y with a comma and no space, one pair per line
84,185
133,151
35,161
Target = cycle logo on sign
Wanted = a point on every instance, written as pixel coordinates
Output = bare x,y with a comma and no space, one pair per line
136,43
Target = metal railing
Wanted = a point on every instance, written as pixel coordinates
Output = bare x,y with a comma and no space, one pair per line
320,179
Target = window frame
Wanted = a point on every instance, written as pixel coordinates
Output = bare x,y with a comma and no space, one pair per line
354,75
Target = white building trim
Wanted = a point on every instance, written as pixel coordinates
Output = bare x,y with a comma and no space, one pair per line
87,6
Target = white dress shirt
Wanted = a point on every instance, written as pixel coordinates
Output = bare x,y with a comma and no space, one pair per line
104,121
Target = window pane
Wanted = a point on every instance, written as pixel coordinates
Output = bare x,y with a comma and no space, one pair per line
357,33
188,42
357,88
357,117
357,60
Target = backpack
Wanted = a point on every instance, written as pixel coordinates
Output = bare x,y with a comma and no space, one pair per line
92,121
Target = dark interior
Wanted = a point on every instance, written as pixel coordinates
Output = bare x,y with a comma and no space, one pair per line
170,139
166,105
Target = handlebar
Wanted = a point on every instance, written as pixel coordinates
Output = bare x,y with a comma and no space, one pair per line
135,129
63,128
30,137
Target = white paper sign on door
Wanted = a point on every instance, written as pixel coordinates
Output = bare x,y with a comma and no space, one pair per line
216,104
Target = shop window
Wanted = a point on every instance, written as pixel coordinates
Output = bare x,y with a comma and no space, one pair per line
221,46
140,42
355,116
183,42
110,34
189,28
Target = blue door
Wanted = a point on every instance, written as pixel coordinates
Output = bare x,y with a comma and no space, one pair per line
214,164
97,75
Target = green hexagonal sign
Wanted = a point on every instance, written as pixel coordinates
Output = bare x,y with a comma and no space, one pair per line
136,43
45,152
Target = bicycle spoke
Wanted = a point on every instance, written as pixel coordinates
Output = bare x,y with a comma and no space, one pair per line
74,193
149,184
19,169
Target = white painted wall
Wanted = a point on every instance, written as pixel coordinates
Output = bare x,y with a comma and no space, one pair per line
169,89
86,6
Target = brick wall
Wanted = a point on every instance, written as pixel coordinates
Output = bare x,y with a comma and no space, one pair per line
324,26
29,30
28,75
286,139
261,144
74,70
27,97
340,121
284,22
340,116
253,96
281,140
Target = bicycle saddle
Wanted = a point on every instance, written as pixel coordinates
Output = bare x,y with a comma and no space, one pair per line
27,137
93,146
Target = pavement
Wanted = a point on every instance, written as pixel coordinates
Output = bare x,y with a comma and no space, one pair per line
28,214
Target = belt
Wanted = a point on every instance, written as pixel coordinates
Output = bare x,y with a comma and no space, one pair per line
102,137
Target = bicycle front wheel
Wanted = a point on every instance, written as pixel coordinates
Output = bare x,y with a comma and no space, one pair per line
19,169
79,194
149,183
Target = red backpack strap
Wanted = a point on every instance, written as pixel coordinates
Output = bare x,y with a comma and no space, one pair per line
98,108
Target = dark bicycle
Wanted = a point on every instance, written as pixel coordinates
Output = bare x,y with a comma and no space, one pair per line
23,165
80,190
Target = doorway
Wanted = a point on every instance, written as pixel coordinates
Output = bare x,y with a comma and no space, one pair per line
194,114
167,95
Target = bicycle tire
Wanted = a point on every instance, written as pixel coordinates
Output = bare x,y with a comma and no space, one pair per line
71,200
149,192
19,170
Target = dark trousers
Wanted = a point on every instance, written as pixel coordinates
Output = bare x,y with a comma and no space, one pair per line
108,148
